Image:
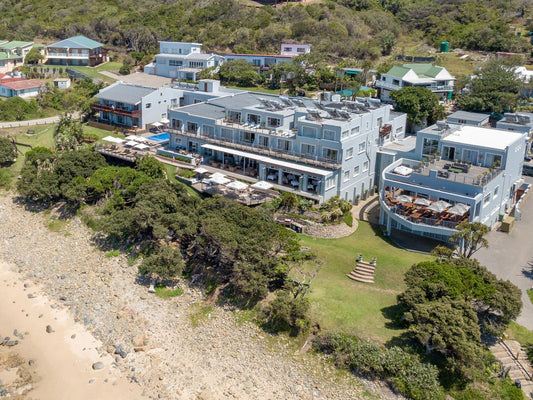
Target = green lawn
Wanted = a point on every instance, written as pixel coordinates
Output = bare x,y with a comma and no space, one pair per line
94,72
341,304
171,176
530,294
254,89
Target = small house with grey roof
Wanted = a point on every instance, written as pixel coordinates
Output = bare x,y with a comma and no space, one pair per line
437,79
77,50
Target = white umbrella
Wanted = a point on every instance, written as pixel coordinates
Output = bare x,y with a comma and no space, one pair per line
164,121
422,202
459,209
262,185
404,198
157,124
136,138
201,170
218,175
131,143
237,185
141,146
439,206
219,179
113,139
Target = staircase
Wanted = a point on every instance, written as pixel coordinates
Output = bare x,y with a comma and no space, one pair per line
364,272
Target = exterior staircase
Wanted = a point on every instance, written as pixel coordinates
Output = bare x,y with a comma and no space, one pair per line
364,272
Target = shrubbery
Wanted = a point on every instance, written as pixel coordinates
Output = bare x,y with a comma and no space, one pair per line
8,152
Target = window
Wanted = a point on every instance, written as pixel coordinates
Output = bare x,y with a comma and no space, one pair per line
287,49
462,121
365,166
307,131
284,145
346,175
355,131
396,82
263,141
349,153
273,122
430,146
399,129
256,62
330,182
344,134
448,153
148,105
254,119
300,50
209,130
192,127
496,191
307,149
356,170
362,147
196,64
175,63
330,154
380,121
329,135
486,200
227,134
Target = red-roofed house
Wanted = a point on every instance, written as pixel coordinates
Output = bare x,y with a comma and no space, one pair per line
20,87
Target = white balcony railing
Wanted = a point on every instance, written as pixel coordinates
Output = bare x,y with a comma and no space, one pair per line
68,55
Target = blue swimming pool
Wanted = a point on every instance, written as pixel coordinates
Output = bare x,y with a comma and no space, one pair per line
159,137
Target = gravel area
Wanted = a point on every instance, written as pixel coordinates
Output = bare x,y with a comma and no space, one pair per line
170,348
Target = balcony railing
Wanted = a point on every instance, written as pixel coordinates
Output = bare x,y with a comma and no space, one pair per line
68,55
116,110
250,128
262,150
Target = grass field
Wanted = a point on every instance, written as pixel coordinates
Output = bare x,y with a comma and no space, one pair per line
344,305
94,72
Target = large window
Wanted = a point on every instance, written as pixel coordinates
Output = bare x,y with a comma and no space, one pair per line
254,119
196,64
448,153
307,131
307,149
330,182
234,116
227,134
274,122
331,154
192,127
349,153
346,175
209,130
329,135
284,145
175,63
430,146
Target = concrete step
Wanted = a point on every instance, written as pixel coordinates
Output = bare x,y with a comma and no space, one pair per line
365,265
360,279
357,271
363,268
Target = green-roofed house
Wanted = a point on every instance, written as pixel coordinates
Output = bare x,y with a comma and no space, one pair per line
77,50
12,54
435,78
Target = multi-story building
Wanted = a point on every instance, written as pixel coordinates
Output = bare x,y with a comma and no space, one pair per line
293,49
454,173
435,78
77,50
12,54
468,118
317,150
134,106
261,61
181,60
520,122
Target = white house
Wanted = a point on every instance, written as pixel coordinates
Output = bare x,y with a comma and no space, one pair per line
181,60
294,49
437,79
17,87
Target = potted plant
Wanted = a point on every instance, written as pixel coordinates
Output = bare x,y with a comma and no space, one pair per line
357,200
437,155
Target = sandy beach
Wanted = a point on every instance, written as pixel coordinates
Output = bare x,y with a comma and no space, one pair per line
61,360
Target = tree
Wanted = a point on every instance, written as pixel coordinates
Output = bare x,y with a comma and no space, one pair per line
239,72
8,152
471,237
421,105
164,263
34,56
151,167
68,134
288,313
495,88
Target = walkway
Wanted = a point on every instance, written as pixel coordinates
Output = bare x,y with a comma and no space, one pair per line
32,122
510,256
514,360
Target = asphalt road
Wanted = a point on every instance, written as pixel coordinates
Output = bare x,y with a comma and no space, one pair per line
510,257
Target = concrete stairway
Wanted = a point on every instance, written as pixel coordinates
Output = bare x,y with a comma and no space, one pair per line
364,272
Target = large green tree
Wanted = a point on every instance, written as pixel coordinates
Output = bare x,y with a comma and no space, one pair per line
421,105
8,152
68,134
239,72
495,88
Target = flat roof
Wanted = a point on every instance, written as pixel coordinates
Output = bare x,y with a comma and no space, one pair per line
258,55
405,145
270,160
483,137
470,116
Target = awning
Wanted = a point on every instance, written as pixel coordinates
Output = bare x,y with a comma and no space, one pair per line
218,180
271,161
262,185
113,139
217,175
237,185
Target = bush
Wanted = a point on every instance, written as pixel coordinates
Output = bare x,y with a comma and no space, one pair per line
8,152
186,173
165,263
287,313
5,178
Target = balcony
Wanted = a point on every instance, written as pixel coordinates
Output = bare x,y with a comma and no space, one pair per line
258,129
115,110
385,130
70,56
262,150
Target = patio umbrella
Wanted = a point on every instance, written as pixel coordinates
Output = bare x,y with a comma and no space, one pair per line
164,121
237,185
262,185
459,209
422,202
157,124
439,206
217,175
141,146
131,143
404,198
113,139
201,170
219,179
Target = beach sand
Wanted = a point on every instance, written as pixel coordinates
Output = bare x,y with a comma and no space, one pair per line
62,359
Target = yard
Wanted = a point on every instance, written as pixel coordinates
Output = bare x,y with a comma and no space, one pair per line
94,72
341,304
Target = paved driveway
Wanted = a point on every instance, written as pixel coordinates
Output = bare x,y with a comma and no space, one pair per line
510,256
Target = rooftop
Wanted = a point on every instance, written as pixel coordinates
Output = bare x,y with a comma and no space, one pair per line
205,110
259,55
469,116
14,45
482,137
21,84
124,93
523,118
77,42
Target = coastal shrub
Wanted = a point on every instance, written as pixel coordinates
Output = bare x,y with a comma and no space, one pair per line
287,313
8,152
164,263
186,173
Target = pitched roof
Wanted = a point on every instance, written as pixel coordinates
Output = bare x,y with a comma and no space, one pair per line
398,71
124,93
424,70
20,84
77,42
14,45
9,56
